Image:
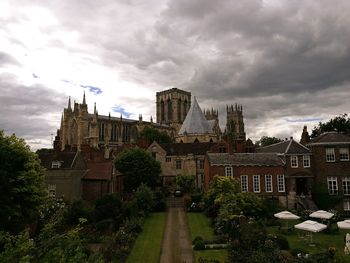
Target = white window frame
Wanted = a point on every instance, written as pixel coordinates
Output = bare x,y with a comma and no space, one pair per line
244,183
294,161
346,185
332,185
268,183
51,188
256,183
330,155
229,171
344,154
56,164
306,161
346,205
281,186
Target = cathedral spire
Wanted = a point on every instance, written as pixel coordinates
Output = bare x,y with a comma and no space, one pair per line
69,104
84,100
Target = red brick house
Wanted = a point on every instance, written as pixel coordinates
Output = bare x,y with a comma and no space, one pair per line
298,170
331,164
260,173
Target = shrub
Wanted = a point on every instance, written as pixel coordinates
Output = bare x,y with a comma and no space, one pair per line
104,224
199,244
109,207
282,242
298,251
159,202
196,198
77,210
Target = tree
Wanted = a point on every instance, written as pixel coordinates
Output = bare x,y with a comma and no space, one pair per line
266,140
138,167
340,124
21,184
185,183
149,135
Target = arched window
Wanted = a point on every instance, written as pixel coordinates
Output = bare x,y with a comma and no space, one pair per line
170,110
162,111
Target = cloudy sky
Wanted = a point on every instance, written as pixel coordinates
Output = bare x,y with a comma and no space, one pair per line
287,62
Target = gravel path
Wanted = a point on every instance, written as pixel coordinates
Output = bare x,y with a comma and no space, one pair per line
177,245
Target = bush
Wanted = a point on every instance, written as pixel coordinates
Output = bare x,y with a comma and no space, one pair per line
159,202
198,243
196,198
104,224
134,225
298,251
75,211
109,207
282,242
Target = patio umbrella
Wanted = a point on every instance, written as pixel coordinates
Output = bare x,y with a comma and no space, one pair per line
344,224
311,226
322,214
286,215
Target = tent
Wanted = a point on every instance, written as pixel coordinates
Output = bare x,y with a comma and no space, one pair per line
311,226
322,214
344,224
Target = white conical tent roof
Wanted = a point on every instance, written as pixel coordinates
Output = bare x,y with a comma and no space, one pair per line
195,121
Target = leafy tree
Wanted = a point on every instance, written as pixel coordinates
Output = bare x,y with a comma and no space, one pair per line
21,184
185,183
138,167
149,135
266,140
340,124
145,198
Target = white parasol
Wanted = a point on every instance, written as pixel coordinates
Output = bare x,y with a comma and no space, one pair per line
311,226
322,214
344,224
286,215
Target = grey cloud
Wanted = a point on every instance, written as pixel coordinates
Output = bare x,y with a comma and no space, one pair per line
7,59
32,112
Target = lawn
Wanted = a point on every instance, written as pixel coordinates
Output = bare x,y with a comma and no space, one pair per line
322,240
147,246
200,226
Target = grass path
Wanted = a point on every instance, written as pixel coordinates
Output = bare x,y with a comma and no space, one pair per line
147,246
200,226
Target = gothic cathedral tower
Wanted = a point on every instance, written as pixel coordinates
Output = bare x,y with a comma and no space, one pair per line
172,106
235,125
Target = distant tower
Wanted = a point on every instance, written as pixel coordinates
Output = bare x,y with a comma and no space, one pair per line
172,106
213,118
305,138
235,124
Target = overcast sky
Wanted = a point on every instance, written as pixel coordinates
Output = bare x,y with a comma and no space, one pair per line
287,62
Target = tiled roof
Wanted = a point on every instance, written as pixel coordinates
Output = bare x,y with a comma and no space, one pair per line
66,159
245,159
330,138
195,121
175,149
99,171
286,147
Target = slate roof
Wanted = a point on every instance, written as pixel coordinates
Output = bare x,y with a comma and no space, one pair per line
330,138
175,149
285,147
245,159
66,159
195,121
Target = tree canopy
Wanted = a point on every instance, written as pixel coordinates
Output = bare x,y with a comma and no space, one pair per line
266,140
340,123
138,167
149,134
21,183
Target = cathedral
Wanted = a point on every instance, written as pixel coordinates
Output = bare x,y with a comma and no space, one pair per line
176,114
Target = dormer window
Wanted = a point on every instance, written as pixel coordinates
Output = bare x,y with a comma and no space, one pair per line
56,165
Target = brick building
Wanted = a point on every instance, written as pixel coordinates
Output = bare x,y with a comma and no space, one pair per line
183,159
331,164
260,173
298,170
